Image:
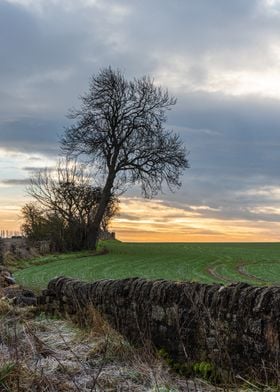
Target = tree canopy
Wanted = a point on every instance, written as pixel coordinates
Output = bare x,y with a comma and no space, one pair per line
119,129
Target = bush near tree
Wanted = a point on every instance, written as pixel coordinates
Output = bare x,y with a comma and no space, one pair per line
64,207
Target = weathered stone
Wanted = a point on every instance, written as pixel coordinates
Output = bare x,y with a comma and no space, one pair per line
6,278
20,296
158,313
236,326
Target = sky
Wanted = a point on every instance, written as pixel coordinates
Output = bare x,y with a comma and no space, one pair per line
221,59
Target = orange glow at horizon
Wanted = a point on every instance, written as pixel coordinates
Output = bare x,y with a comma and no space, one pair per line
10,220
143,220
152,221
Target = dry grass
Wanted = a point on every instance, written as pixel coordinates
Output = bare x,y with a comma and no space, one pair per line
53,355
5,305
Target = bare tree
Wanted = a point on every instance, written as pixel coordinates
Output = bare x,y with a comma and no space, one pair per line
66,206
119,128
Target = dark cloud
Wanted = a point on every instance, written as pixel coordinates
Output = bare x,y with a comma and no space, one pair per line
31,135
34,169
130,217
31,168
16,181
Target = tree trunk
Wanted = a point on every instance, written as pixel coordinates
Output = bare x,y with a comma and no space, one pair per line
105,197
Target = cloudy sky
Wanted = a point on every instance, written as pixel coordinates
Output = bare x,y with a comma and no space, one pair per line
221,59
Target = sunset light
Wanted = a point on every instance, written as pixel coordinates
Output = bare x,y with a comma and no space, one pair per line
224,75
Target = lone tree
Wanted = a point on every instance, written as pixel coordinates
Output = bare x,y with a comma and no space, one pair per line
119,129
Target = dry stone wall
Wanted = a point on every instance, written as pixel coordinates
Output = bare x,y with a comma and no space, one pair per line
14,293
21,248
236,327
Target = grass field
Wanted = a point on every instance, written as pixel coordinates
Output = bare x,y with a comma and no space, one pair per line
256,263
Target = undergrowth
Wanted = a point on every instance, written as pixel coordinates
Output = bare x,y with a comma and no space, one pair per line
39,353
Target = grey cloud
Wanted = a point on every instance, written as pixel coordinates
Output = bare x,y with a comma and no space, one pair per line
183,230
244,142
16,181
235,33
34,159
31,168
131,217
32,135
242,156
234,147
34,169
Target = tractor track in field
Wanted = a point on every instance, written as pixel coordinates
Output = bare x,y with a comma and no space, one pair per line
212,272
240,268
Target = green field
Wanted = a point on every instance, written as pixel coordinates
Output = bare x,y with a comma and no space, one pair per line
256,263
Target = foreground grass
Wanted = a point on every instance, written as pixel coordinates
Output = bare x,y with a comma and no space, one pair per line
256,263
57,355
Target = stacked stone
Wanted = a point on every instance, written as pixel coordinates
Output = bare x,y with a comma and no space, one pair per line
9,289
236,327
6,278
